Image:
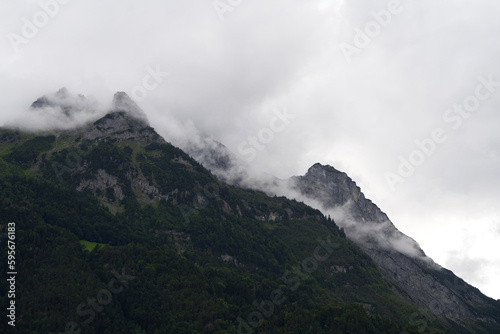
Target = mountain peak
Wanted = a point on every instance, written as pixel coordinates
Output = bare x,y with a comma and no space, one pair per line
399,257
62,110
62,99
125,121
318,166
62,93
122,102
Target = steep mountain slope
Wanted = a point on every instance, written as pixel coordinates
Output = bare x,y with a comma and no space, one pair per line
400,259
118,231
417,278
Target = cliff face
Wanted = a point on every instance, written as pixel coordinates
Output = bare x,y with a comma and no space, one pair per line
415,276
334,188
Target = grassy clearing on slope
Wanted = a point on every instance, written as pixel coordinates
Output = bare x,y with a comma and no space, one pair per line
89,245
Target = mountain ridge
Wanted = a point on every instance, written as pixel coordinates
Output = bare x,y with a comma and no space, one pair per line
116,182
371,229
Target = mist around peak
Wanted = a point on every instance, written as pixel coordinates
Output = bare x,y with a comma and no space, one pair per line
373,230
64,110
122,102
61,110
383,235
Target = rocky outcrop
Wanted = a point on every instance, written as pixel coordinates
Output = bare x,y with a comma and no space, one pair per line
229,258
104,186
143,186
117,126
332,188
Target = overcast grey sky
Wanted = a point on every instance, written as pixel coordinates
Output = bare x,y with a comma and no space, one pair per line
362,82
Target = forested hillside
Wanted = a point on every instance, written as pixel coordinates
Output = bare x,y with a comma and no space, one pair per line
124,233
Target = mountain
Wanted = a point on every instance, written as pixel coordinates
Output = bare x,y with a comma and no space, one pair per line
400,259
416,277
118,231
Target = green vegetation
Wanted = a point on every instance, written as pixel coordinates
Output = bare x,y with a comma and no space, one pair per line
27,152
89,245
204,258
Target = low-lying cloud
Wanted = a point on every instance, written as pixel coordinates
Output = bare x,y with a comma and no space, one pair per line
57,111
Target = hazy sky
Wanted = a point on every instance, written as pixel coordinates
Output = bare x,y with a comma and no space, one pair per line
360,85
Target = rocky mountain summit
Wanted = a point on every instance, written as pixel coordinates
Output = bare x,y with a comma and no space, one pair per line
416,277
125,121
333,188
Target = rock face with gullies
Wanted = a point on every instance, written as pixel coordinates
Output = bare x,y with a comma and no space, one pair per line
414,275
333,187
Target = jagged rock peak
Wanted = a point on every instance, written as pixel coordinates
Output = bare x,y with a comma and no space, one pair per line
65,103
52,100
319,167
123,103
335,188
